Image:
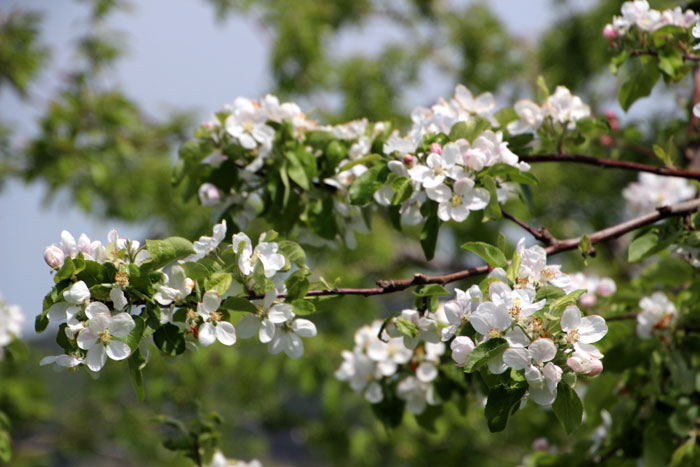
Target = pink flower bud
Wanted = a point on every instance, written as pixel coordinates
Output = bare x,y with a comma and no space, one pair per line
54,256
588,300
436,148
596,367
606,287
206,125
209,195
540,444
606,140
576,363
408,159
609,32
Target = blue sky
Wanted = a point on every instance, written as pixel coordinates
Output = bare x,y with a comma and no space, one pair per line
181,59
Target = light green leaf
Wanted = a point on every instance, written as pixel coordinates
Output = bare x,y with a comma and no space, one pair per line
492,255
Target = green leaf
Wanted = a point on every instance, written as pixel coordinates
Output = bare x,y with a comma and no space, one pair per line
303,307
169,339
296,171
363,188
293,252
514,268
569,299
584,247
429,236
671,62
641,75
133,339
687,455
493,209
136,364
651,242
469,130
5,446
239,304
429,290
41,322
484,352
406,327
505,116
492,255
298,284
661,154
502,399
568,407
403,189
164,252
219,282
66,271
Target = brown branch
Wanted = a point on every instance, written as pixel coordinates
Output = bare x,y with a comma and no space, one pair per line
636,53
396,285
622,317
541,234
611,163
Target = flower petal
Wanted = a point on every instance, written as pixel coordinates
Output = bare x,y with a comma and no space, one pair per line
121,325
207,334
248,326
280,313
118,350
96,357
304,327
542,350
517,358
294,347
225,333
592,329
570,319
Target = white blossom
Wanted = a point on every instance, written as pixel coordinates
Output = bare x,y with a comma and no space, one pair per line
176,288
658,312
100,336
205,244
266,252
652,191
213,327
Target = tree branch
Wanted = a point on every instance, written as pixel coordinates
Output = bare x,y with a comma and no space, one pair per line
396,285
611,163
541,234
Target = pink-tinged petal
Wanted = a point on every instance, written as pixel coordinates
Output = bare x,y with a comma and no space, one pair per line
570,319
596,367
99,323
118,350
592,329
96,357
426,372
517,358
86,339
304,327
552,375
225,333
267,331
280,313
542,350
578,364
57,312
207,334
122,324
95,308
588,349
461,347
248,326
464,186
295,347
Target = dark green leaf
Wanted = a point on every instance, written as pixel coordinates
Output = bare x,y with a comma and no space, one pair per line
568,407
640,77
429,236
169,339
136,364
363,188
484,352
500,403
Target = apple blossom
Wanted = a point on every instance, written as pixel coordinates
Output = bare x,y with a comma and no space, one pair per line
213,327
100,336
266,252
264,323
178,287
658,312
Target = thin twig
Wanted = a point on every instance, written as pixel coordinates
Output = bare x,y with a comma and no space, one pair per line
611,163
541,234
396,285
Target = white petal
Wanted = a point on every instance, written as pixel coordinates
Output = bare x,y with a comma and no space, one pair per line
96,308
117,350
121,325
570,319
477,199
592,329
481,318
210,302
542,350
440,193
279,342
57,312
294,347
373,393
248,326
225,333
207,334
77,294
96,357
426,372
517,358
541,394
304,327
86,339
99,323
116,295
267,331
280,313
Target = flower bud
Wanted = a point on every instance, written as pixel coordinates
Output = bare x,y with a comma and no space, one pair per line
84,245
609,32
209,195
588,299
606,140
596,367
77,294
606,287
408,159
436,148
54,256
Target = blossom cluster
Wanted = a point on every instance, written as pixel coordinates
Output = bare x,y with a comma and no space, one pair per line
657,315
652,191
378,360
638,14
220,460
11,321
562,108
535,342
112,300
